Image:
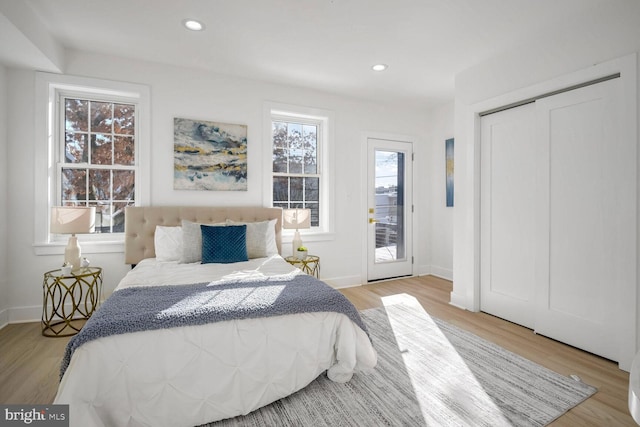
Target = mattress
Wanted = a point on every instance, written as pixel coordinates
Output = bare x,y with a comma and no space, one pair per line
191,375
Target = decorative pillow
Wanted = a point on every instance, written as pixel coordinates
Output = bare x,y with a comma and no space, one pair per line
168,243
192,241
261,238
224,244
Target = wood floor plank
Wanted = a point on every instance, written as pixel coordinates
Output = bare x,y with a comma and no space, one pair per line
29,362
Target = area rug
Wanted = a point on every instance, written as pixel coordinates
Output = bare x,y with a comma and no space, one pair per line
429,373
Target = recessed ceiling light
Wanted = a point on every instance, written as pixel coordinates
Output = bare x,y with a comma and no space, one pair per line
379,67
193,25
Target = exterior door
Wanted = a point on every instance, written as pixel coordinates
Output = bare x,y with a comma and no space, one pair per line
389,189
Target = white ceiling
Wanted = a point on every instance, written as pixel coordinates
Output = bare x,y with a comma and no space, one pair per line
328,45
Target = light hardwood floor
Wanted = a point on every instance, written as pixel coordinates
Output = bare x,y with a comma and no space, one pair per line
29,362
608,407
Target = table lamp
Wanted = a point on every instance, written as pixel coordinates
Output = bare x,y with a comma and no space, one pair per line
72,220
296,219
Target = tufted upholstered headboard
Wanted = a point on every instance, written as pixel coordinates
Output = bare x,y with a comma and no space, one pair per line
140,223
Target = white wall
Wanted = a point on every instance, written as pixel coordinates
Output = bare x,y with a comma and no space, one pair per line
4,154
595,36
24,269
27,41
180,92
439,220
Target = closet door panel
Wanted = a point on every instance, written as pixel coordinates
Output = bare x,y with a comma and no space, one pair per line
584,244
578,200
507,214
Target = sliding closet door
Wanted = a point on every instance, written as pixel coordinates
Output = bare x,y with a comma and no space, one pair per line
586,240
508,214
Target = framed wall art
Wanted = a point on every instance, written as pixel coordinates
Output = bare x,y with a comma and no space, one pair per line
448,154
209,155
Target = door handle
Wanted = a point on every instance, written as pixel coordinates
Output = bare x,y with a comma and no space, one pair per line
371,220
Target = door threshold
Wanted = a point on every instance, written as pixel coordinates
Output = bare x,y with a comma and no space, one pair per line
386,279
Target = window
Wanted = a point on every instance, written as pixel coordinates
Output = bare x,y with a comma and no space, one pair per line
299,163
296,165
97,151
92,149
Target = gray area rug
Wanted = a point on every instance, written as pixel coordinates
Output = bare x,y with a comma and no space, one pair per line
429,373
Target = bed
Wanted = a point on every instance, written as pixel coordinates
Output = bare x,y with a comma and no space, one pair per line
165,372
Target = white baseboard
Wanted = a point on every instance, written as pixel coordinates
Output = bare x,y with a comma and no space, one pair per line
26,314
343,282
4,318
423,270
434,270
457,300
443,273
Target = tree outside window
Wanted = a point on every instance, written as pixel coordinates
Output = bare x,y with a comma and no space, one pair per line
296,165
98,159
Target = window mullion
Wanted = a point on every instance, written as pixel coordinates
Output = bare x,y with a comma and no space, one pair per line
89,138
110,205
60,148
101,167
86,187
297,175
288,141
113,138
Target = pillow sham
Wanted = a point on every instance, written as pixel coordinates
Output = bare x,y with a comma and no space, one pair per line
192,241
168,243
224,245
261,238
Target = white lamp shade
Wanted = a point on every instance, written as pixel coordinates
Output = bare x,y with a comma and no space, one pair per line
72,219
296,218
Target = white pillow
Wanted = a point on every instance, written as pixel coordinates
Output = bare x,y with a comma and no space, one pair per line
192,241
261,238
168,243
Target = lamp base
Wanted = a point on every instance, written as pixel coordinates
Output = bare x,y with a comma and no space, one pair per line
72,252
296,243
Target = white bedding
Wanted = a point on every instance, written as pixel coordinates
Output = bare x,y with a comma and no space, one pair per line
192,375
150,272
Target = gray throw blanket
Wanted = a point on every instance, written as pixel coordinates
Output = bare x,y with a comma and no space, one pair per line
158,307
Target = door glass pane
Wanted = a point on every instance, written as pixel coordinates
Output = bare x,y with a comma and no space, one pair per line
389,206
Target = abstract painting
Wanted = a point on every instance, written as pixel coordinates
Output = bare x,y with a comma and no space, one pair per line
448,154
209,155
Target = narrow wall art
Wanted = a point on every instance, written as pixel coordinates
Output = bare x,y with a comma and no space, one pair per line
448,154
209,155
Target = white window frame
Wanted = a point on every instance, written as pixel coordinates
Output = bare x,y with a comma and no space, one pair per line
50,88
324,119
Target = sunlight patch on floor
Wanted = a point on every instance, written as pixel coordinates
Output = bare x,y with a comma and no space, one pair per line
451,379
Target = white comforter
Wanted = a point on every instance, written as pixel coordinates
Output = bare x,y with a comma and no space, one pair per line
192,375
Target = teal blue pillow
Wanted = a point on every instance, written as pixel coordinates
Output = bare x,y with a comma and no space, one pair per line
224,245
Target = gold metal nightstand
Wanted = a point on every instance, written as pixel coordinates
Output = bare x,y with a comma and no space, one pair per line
69,300
310,265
